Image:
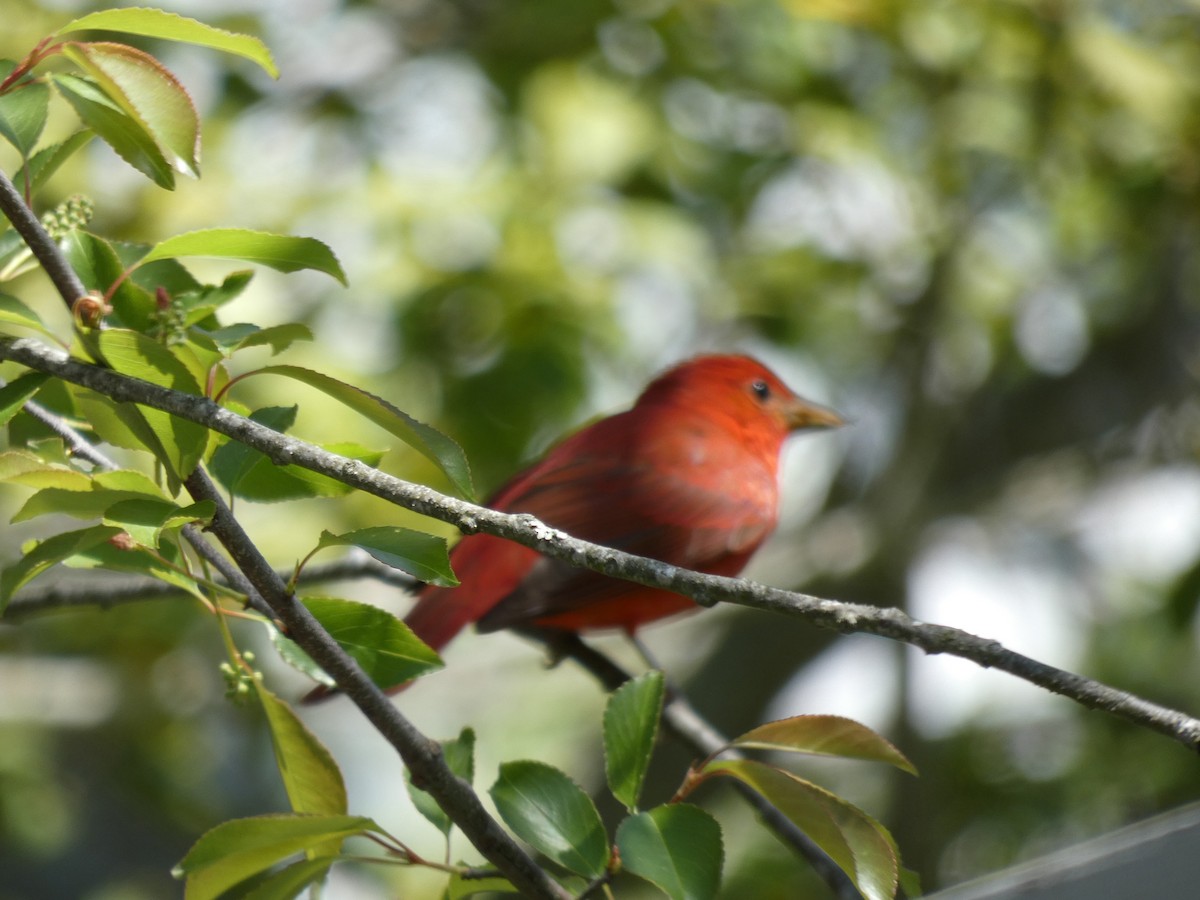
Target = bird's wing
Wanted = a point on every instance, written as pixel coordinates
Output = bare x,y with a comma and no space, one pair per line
684,516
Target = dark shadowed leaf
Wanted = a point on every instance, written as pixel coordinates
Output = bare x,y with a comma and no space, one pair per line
677,847
553,814
630,729
382,644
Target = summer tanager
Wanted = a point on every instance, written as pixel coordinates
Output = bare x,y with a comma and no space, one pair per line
688,476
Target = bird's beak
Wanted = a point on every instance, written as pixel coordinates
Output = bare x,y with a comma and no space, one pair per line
802,415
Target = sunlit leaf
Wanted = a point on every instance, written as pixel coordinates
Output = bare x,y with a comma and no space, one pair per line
630,728
148,93
424,556
310,775
234,851
677,847
14,312
125,134
553,814
157,23
825,736
277,251
182,442
461,886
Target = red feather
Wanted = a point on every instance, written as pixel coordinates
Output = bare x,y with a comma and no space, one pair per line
688,476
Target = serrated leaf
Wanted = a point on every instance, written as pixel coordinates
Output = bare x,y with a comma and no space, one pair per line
14,394
45,554
23,112
15,464
553,814
125,134
630,729
182,442
14,312
157,23
382,644
42,165
427,441
859,845
291,653
677,848
148,93
282,252
459,755
825,736
234,851
310,775
424,556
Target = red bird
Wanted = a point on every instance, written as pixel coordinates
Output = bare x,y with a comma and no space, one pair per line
688,476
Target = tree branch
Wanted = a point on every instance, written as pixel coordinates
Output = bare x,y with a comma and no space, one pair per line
421,755
707,590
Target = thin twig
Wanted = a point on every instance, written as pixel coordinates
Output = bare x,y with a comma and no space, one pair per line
707,590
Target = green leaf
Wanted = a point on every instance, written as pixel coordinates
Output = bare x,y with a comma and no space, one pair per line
144,520
182,442
860,846
461,886
310,775
42,165
676,847
277,251
630,728
278,337
99,267
125,134
553,814
825,736
459,754
429,442
148,93
137,561
74,494
45,554
382,644
29,469
234,851
424,556
23,112
291,880
14,312
290,653
249,474
14,394
171,27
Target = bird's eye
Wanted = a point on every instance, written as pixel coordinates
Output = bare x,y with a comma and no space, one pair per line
760,389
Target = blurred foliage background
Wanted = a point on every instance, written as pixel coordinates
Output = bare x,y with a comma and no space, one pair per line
970,227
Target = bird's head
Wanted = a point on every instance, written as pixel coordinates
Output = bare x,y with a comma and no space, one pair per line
742,391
